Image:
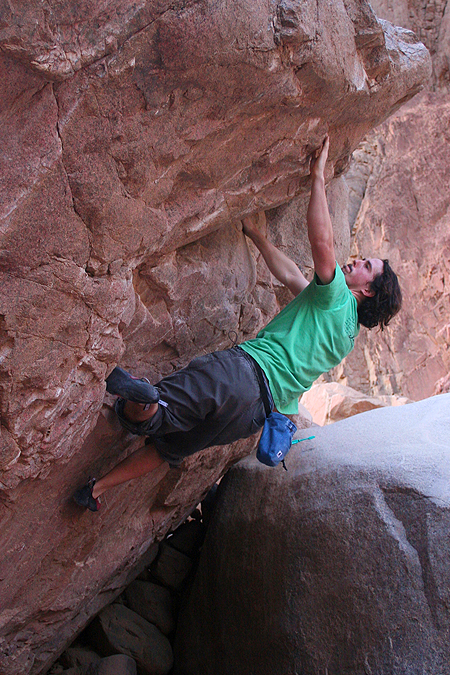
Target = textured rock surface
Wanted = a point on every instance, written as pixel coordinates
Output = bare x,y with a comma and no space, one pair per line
331,401
403,170
132,136
443,385
430,20
339,565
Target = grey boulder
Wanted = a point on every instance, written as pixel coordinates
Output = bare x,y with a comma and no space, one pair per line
153,603
118,629
340,565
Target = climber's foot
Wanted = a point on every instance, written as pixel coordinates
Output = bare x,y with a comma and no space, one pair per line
131,388
83,497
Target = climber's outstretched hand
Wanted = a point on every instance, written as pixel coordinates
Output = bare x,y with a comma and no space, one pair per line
319,159
252,225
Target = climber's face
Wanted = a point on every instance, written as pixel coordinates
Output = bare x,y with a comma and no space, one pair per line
359,274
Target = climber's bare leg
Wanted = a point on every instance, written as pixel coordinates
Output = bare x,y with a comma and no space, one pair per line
137,464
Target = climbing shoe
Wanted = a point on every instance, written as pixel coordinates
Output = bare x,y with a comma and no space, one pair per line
120,383
83,497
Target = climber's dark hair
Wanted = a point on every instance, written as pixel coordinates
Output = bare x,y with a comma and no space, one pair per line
380,308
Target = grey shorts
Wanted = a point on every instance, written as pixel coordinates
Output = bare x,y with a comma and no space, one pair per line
215,400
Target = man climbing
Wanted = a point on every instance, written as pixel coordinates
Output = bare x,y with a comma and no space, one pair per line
221,397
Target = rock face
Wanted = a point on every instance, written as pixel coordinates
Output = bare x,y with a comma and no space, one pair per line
339,565
132,138
430,20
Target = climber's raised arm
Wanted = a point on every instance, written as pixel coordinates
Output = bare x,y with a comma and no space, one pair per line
320,229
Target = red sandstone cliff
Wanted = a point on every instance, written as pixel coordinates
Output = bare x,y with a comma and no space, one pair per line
133,137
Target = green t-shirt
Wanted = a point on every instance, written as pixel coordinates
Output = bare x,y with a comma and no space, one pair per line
311,335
